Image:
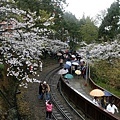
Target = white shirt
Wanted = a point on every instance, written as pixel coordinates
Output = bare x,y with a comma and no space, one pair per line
41,64
96,102
111,108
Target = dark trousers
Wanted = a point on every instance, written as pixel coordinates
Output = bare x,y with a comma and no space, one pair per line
48,114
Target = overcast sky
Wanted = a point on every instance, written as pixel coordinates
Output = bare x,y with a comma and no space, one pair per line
88,7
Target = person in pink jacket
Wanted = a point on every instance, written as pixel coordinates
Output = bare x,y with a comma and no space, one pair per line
49,108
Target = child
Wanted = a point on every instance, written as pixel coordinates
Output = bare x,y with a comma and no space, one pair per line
49,108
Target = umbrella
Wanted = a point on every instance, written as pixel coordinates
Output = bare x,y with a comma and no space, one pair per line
78,72
82,60
75,63
63,71
107,93
73,56
66,66
59,54
68,76
97,93
68,63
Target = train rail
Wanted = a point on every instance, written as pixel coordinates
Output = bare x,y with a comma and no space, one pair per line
65,99
66,110
62,110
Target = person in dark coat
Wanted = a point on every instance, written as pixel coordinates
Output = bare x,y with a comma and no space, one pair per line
41,93
103,102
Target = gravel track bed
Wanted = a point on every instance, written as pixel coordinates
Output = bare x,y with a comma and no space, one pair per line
29,106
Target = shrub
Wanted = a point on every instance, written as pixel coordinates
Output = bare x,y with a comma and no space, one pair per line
1,67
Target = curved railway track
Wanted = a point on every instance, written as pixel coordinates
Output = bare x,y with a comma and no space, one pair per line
65,109
62,110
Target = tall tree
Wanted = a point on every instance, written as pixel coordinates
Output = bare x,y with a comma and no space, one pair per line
71,24
88,30
110,25
100,17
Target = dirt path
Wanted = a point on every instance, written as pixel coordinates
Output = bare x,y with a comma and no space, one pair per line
29,106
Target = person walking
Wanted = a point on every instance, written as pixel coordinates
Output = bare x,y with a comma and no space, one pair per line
49,108
46,90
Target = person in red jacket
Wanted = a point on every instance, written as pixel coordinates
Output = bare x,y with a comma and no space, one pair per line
49,108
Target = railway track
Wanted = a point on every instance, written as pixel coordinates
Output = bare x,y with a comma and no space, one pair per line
62,110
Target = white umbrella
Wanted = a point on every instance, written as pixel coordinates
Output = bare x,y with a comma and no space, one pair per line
73,56
82,60
59,54
75,63
78,72
63,71
68,63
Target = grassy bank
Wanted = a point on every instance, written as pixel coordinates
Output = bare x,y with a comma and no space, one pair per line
106,73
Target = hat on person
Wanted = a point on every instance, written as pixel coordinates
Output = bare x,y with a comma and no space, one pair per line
44,82
49,102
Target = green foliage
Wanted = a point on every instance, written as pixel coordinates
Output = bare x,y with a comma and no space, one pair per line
107,75
43,10
79,30
110,25
88,30
44,16
1,67
112,90
71,24
66,26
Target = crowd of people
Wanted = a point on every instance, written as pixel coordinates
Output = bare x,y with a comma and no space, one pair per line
65,60
73,57
72,61
107,105
44,88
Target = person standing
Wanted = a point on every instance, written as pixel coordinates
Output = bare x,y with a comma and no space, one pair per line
96,101
49,108
61,62
111,108
41,92
41,66
104,102
46,90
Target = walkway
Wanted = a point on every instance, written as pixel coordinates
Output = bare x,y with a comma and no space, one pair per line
78,83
